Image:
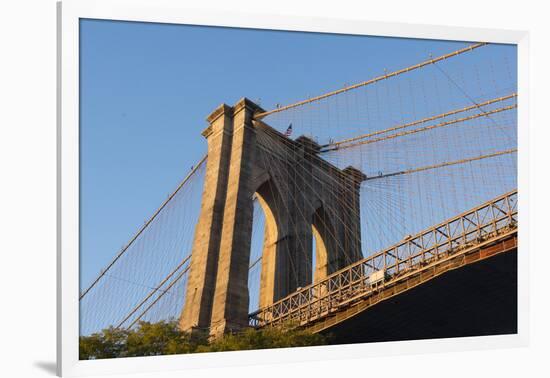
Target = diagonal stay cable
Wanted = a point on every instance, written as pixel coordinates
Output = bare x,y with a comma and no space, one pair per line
140,231
160,296
463,91
154,290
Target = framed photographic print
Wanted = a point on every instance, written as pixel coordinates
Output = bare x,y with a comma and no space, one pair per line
285,188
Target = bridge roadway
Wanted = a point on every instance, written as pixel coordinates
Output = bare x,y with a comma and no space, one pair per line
475,296
462,283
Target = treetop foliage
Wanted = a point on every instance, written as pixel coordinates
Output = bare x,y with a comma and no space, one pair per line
164,337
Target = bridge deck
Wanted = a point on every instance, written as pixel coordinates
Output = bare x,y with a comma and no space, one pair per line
477,299
485,231
472,294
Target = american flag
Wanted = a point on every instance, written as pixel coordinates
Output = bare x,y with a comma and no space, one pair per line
288,130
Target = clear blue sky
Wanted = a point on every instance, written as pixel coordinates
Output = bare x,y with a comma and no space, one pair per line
146,90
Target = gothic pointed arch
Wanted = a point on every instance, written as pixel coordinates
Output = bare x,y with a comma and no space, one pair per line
325,248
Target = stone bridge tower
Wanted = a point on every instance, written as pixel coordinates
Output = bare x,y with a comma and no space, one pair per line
302,195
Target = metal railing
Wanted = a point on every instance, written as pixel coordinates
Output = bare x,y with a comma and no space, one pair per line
485,222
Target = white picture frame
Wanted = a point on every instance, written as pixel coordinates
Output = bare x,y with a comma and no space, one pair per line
174,12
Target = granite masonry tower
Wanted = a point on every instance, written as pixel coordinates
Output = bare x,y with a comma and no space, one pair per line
303,197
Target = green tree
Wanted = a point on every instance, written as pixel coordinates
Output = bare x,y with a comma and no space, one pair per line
164,337
109,343
266,338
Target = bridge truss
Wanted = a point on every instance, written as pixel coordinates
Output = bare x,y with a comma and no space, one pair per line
430,250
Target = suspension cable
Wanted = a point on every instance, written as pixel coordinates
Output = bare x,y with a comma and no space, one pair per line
335,145
426,128
374,80
444,164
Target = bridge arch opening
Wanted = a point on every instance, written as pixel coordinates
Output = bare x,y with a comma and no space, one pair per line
266,278
256,249
323,244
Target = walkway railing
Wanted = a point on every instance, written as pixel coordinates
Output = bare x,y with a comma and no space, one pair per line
473,227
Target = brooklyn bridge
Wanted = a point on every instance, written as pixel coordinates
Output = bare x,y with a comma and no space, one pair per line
374,212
